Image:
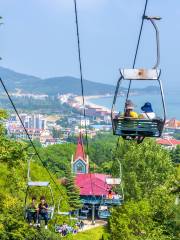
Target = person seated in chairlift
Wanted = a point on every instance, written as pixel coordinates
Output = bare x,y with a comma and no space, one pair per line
129,110
116,196
110,196
43,211
32,211
148,112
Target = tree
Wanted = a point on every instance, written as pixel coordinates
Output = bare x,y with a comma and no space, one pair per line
175,153
144,166
72,192
148,177
100,150
13,170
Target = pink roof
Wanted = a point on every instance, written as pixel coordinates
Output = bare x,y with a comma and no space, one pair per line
92,184
80,149
169,142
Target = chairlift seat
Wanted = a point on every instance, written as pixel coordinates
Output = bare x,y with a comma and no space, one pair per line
82,217
104,214
112,201
113,181
84,210
138,127
38,184
63,213
140,74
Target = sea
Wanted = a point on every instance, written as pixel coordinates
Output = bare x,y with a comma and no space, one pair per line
172,103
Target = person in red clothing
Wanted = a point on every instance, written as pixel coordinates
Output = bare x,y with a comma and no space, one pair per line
110,196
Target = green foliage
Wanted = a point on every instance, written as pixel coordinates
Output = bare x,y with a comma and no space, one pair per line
72,192
49,105
100,151
95,234
132,220
148,178
144,166
175,153
58,157
13,171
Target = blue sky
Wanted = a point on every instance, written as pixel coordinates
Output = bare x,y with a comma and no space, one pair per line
38,37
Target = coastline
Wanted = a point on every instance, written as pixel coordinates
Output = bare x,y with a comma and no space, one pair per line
89,104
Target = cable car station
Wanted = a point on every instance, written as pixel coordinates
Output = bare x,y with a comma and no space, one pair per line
96,190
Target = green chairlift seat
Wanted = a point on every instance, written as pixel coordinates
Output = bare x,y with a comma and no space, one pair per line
138,127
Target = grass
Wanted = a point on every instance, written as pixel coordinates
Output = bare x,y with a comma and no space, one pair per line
93,234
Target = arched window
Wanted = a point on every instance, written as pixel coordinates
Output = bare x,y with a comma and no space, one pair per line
80,167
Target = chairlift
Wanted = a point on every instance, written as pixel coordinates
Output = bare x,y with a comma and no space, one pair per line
103,212
135,128
83,215
39,184
85,209
62,213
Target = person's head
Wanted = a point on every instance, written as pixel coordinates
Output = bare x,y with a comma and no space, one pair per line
33,199
129,105
147,107
42,199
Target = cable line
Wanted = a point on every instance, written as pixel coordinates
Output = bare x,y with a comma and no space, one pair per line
138,42
136,53
35,150
82,82
80,70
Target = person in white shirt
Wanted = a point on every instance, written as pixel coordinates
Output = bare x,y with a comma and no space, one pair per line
148,112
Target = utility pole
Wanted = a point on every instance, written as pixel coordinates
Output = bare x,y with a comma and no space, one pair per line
93,214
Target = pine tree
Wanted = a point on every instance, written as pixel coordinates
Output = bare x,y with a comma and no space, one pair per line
176,155
72,191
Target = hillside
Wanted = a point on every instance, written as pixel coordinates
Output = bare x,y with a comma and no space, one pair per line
51,86
58,85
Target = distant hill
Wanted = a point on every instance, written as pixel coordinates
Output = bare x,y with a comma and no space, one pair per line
51,86
57,85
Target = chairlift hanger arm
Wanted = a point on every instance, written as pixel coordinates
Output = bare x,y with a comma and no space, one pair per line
115,96
152,19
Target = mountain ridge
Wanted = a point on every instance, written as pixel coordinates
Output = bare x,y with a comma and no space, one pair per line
24,83
61,85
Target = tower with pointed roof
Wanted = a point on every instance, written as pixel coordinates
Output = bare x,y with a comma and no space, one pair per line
80,161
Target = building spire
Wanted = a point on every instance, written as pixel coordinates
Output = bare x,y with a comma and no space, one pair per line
80,161
80,153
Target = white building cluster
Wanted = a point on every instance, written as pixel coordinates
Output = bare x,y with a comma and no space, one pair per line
35,121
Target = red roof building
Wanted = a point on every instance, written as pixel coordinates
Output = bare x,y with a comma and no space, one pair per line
169,142
92,184
172,123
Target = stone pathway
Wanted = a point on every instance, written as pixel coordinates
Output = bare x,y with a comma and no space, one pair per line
88,224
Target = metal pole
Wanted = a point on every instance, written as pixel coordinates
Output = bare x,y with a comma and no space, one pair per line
93,214
28,172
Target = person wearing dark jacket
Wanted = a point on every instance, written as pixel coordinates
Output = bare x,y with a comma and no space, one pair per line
43,211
